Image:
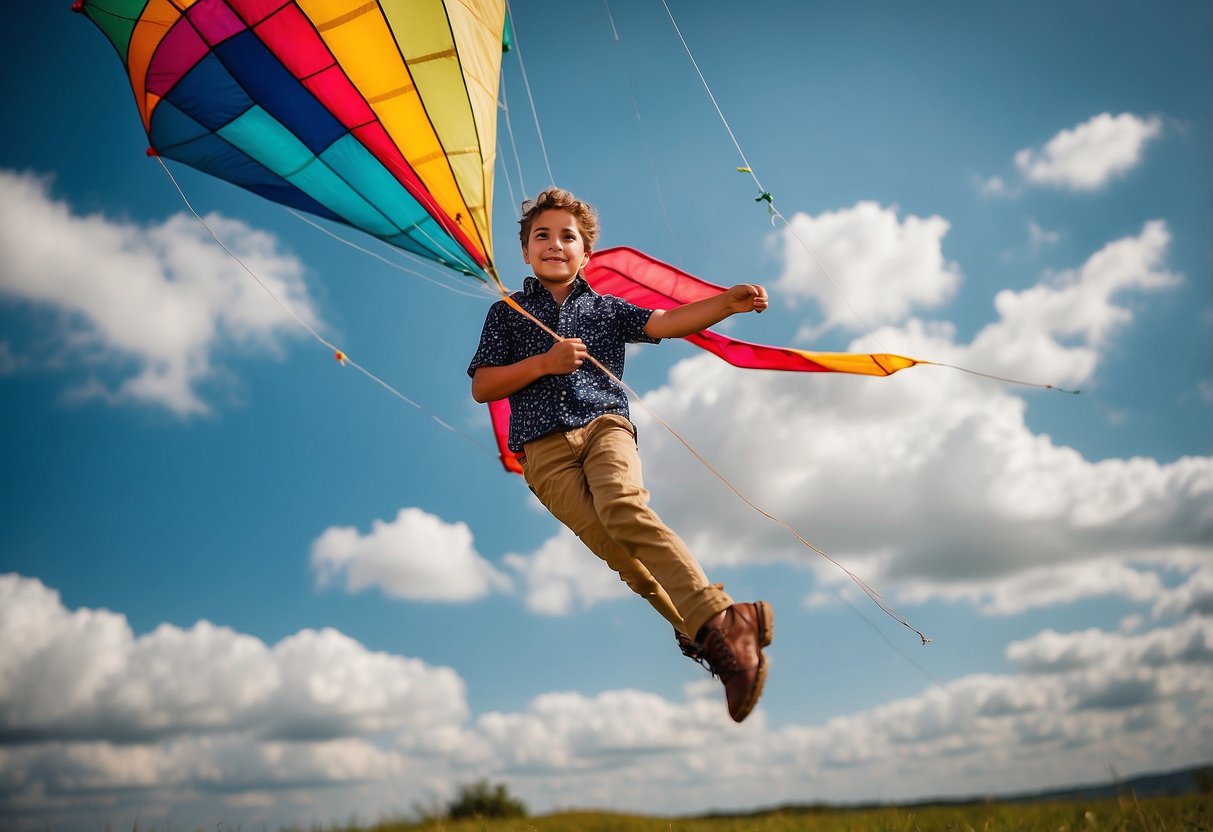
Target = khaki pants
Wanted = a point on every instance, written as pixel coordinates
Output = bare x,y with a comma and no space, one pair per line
589,479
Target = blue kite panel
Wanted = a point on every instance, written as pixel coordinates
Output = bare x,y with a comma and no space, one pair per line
211,154
278,92
209,95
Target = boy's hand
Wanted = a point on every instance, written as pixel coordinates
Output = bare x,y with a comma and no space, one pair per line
566,356
746,297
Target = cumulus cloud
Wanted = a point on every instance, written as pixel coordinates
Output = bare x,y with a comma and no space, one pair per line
416,557
930,483
1132,699
567,731
233,729
563,575
420,557
144,308
91,714
1088,156
95,771
1043,586
882,266
83,675
1059,326
1192,597
1050,652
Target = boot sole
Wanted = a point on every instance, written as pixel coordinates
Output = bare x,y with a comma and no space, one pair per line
766,629
766,622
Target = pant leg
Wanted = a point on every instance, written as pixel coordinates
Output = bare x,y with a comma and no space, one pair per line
612,472
554,472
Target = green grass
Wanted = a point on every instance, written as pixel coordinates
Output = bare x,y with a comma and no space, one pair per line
1191,813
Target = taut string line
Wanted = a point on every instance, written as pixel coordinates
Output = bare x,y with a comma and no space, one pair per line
340,354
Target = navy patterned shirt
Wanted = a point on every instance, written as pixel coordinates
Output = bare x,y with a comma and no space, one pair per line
562,402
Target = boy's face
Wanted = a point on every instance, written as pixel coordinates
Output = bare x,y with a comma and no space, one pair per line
555,250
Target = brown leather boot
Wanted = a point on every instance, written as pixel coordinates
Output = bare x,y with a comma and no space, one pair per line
731,643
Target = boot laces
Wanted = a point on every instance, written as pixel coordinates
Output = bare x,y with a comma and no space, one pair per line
716,655
688,647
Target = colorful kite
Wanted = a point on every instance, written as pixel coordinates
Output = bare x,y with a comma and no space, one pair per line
382,116
378,115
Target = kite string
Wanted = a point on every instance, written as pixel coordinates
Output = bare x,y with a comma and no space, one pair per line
765,195
505,296
534,112
867,590
481,288
311,330
644,143
504,106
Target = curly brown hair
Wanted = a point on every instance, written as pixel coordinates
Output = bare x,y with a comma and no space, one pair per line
559,198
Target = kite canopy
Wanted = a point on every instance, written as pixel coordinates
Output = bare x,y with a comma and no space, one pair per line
382,116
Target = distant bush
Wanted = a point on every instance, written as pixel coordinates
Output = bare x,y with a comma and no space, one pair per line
481,800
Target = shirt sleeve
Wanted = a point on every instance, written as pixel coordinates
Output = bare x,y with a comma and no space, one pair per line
495,348
631,320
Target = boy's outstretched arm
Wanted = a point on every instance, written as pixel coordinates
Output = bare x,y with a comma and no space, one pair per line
701,314
491,383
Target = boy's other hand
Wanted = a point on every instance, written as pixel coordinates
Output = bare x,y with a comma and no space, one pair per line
566,356
746,297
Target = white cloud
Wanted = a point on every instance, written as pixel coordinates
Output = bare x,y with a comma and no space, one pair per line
561,732
1050,652
417,557
1127,698
930,483
1042,586
563,575
90,773
203,721
1087,157
83,675
160,299
882,267
1193,597
206,724
1058,328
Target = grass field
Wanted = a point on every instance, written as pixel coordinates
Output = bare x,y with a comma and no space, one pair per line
1166,814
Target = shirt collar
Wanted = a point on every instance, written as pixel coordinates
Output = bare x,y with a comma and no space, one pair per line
532,286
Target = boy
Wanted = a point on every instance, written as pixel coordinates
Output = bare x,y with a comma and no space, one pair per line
570,422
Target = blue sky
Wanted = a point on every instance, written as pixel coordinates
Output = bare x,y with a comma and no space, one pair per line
242,583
